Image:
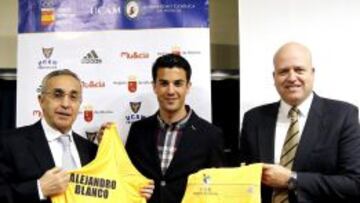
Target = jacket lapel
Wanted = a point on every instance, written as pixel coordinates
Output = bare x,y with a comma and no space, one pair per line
266,134
151,144
84,154
39,146
311,133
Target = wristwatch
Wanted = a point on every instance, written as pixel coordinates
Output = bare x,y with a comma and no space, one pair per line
292,182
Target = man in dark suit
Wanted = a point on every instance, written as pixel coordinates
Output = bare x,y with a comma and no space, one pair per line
325,166
174,142
33,161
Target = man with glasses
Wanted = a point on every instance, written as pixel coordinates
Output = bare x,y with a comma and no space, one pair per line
34,159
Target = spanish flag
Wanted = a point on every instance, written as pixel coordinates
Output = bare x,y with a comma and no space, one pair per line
47,16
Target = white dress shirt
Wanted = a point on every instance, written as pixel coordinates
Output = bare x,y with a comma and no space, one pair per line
56,148
283,123
55,145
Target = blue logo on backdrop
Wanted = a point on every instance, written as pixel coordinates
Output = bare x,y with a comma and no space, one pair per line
135,116
70,15
132,9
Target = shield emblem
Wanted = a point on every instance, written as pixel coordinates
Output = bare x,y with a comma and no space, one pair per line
88,114
47,52
135,106
132,84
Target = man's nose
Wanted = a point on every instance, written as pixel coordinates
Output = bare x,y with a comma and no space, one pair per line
171,89
65,100
292,75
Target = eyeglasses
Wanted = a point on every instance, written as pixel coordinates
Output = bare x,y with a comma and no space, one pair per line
59,95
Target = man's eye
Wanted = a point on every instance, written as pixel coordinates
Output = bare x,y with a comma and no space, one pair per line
300,70
58,94
74,96
179,83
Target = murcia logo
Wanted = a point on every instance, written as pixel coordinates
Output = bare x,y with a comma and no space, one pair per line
93,84
91,58
47,62
134,55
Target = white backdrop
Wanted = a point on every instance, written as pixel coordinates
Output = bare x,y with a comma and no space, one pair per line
330,28
121,56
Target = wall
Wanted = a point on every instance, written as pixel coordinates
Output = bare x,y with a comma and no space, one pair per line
8,30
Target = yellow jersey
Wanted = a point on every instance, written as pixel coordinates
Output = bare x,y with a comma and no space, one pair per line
109,178
225,185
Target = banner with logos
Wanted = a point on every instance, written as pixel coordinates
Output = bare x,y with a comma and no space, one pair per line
111,45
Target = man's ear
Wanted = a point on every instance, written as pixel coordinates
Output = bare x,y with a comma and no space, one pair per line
188,85
39,98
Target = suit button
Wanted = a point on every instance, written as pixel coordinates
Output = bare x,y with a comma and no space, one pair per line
163,183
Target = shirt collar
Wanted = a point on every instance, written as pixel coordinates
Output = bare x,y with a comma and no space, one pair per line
180,124
52,134
304,107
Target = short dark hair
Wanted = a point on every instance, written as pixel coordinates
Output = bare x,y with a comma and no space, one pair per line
171,61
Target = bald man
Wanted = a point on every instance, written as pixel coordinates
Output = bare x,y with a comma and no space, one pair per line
310,145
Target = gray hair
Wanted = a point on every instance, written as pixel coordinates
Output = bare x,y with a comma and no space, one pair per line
56,73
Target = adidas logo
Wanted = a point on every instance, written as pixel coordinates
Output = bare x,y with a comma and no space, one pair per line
91,57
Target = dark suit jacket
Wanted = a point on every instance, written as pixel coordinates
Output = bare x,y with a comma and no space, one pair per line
25,156
328,156
200,146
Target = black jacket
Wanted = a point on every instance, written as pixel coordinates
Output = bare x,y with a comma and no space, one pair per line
200,146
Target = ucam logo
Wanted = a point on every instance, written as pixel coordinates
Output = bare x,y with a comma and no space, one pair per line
47,62
135,116
132,9
37,113
108,9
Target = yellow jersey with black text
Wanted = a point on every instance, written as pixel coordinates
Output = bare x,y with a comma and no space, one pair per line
225,185
109,178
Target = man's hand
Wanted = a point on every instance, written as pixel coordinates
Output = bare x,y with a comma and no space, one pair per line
275,176
54,181
102,129
147,190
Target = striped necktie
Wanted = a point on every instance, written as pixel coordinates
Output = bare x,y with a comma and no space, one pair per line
288,152
68,162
